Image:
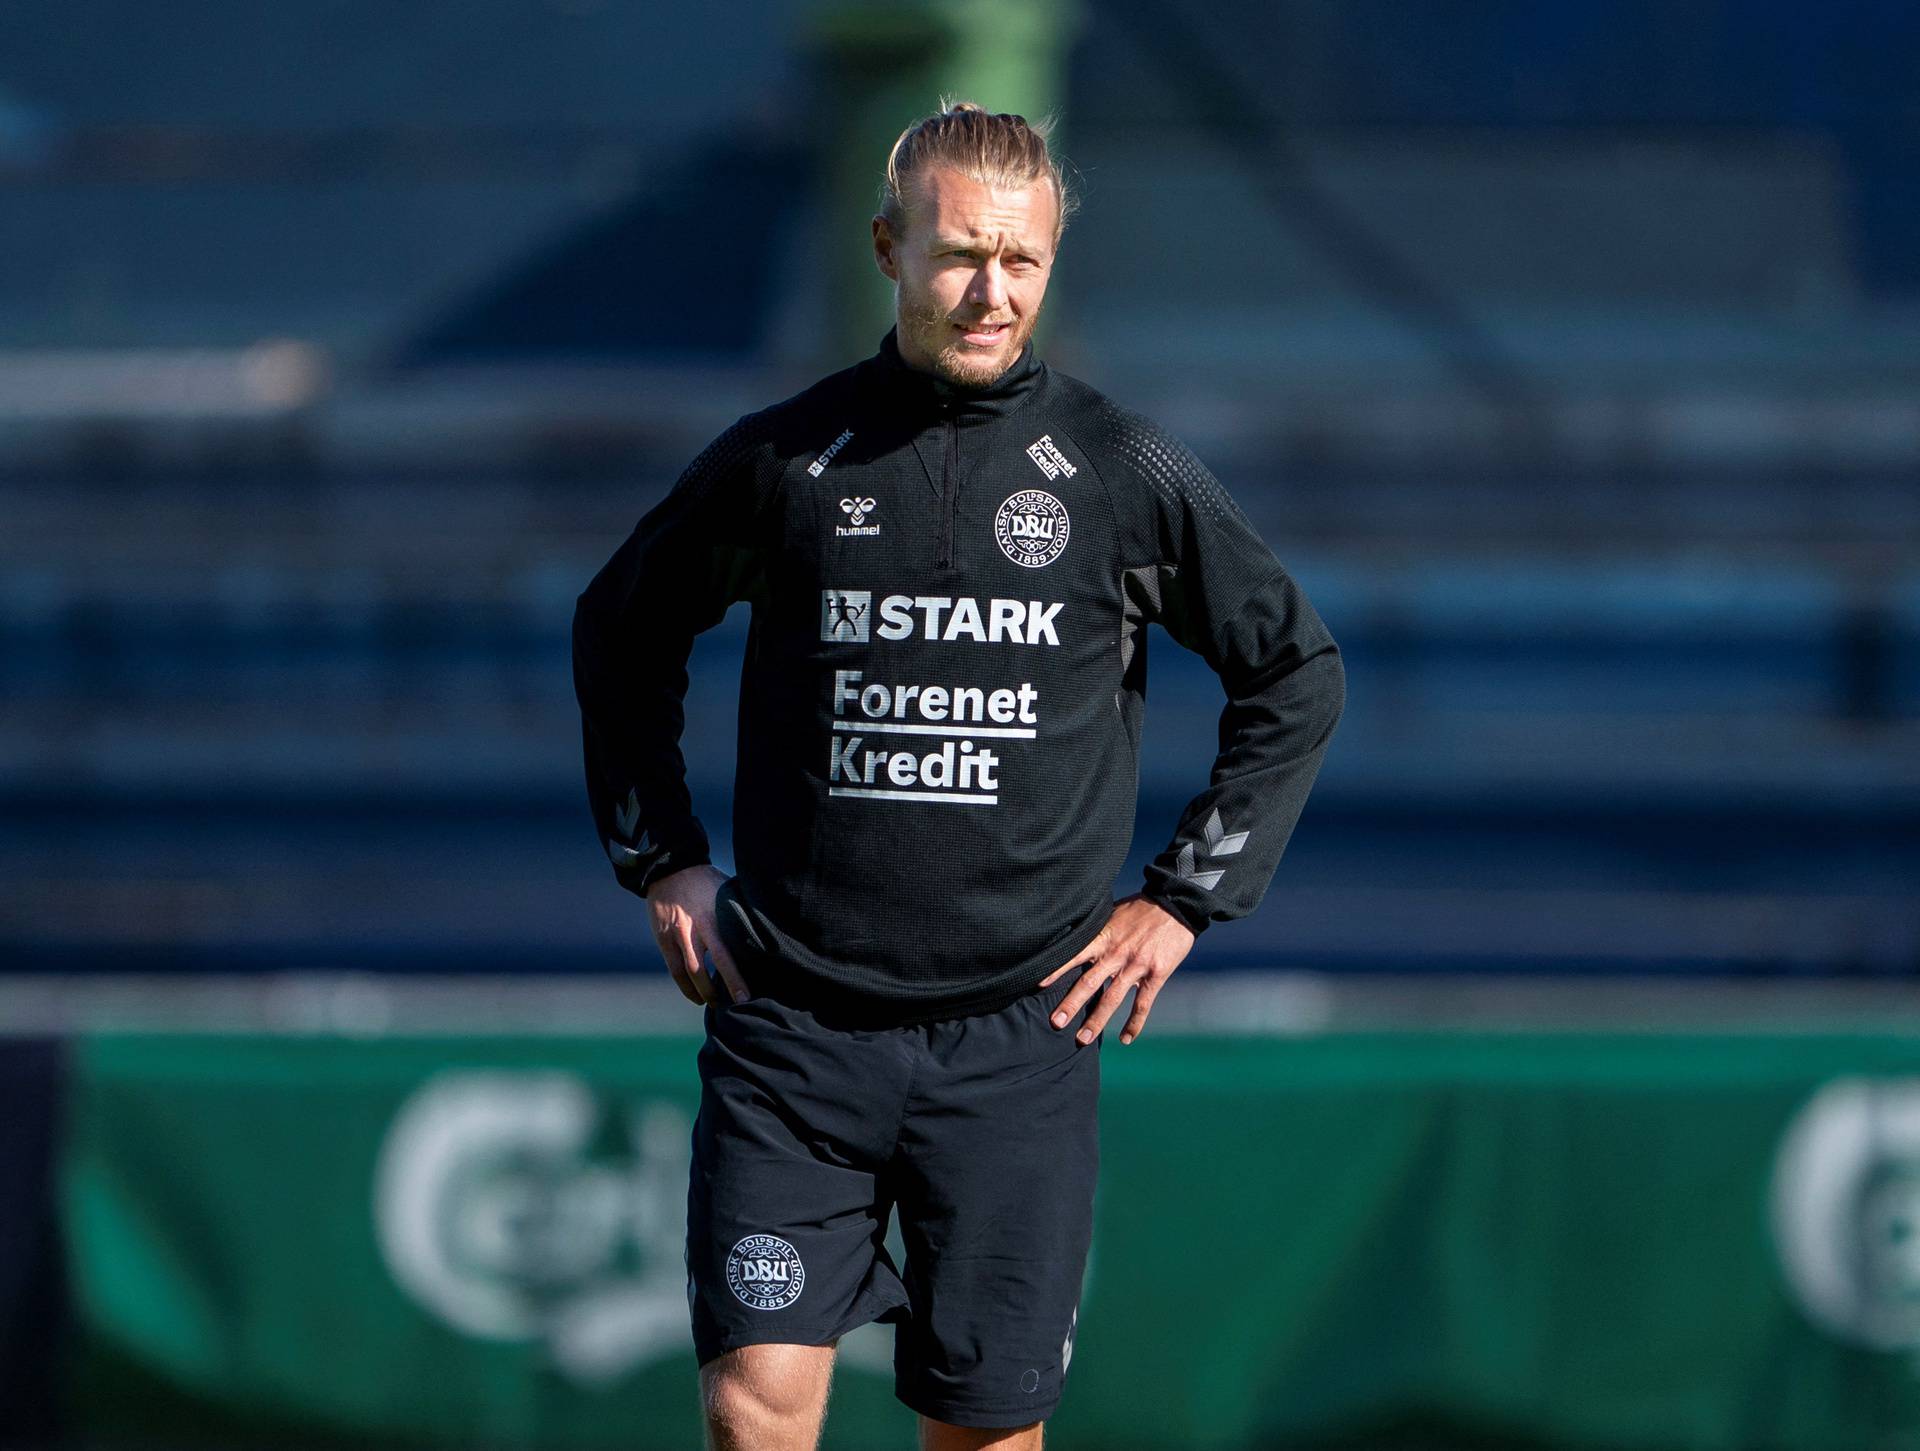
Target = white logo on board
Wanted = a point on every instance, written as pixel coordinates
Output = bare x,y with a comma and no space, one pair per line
764,1272
1031,528
517,1206
1846,1210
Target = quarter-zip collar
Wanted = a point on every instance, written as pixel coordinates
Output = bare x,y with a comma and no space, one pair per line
916,389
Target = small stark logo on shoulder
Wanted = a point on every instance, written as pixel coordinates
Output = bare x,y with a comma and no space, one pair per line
819,465
857,509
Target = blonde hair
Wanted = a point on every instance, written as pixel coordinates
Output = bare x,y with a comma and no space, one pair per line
996,149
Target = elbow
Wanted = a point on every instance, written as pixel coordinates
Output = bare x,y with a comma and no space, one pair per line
592,609
581,630
1329,688
585,636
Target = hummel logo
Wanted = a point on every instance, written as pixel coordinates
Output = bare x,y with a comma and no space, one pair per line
622,855
857,510
626,816
1053,463
1220,842
819,465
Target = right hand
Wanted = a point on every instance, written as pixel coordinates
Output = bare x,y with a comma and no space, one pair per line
680,906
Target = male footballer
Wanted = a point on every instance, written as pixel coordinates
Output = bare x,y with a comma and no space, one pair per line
951,552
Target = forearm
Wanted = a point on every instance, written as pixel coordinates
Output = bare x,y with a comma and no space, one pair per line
631,687
1274,732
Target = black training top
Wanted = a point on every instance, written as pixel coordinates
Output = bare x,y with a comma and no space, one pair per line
945,680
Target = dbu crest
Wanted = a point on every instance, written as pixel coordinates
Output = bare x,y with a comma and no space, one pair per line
1031,528
765,1272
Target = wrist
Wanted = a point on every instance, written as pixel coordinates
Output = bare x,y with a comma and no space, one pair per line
1194,922
640,880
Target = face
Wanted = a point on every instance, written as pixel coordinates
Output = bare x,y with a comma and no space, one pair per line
972,264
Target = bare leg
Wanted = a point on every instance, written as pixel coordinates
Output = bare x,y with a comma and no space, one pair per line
766,1397
939,1436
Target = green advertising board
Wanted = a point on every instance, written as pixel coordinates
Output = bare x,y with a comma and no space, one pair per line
1635,1241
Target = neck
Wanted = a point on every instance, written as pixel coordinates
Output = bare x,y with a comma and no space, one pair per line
1008,390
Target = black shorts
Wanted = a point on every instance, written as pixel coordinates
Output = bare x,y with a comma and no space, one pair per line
981,1130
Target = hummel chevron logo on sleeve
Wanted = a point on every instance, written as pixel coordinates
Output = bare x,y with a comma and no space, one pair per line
627,856
1220,842
626,816
1183,868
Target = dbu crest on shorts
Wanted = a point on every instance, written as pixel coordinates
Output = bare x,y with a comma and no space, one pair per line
765,1272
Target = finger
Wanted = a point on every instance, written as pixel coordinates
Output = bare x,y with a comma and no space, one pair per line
724,964
1108,1005
1142,1005
1091,952
669,946
697,972
1077,995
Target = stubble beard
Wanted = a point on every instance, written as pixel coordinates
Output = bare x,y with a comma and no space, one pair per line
952,360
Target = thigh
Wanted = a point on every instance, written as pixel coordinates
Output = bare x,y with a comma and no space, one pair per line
999,1157
786,1215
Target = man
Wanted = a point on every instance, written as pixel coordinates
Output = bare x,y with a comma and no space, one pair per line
951,552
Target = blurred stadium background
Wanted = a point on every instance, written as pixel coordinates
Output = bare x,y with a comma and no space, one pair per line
1565,1092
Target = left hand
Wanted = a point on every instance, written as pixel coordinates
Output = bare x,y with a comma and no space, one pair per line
1140,946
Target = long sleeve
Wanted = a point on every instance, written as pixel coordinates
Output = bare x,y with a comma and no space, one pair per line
1217,589
690,557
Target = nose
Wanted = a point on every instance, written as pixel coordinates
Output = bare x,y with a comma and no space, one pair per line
989,288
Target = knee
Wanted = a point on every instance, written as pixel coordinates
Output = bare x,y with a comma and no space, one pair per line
771,1395
938,1436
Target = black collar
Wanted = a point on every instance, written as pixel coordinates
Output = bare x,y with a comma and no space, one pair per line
1004,395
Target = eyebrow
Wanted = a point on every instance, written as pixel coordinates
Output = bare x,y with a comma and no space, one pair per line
946,244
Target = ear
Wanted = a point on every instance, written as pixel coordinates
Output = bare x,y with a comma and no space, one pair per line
883,248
